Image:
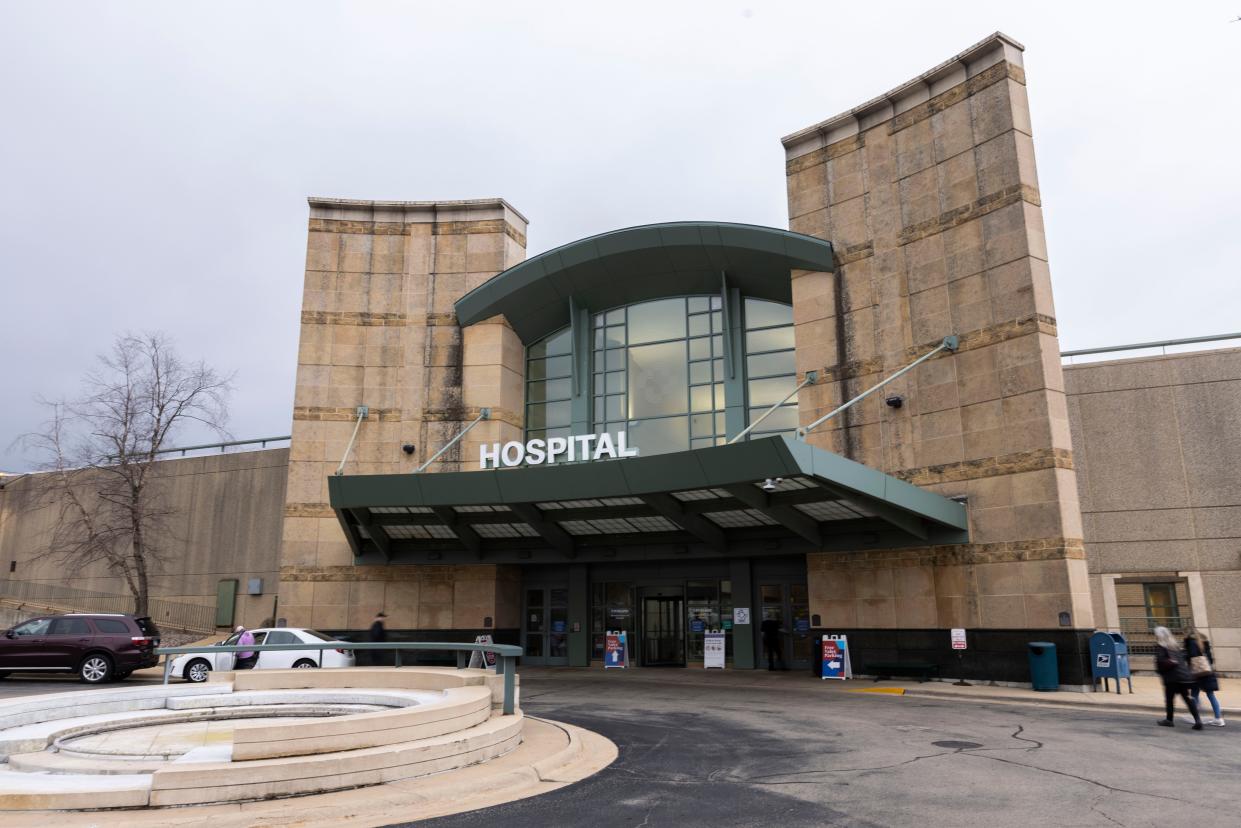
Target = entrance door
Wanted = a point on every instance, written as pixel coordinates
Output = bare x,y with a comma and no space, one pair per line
790,604
663,631
545,631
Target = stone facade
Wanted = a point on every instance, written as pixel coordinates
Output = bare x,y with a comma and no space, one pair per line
378,329
1158,444
929,195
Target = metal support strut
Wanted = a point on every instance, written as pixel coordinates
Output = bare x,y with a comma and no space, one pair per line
363,413
950,343
483,415
811,378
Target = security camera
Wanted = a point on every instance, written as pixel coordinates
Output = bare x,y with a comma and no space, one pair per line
895,401
408,448
769,485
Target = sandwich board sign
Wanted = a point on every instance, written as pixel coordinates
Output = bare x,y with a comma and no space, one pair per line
615,650
713,649
483,659
835,654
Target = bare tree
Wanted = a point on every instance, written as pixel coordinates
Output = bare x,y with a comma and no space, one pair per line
102,451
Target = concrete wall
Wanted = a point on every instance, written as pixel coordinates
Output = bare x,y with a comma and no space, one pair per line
1158,448
226,524
379,329
930,197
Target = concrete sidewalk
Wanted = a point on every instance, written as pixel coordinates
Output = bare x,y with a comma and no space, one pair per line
1147,696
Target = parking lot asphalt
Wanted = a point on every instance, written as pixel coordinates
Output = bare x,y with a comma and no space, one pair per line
784,752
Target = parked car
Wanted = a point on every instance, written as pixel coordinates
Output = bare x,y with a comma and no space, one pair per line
197,666
96,646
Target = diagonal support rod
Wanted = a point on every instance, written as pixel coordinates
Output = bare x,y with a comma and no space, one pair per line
482,415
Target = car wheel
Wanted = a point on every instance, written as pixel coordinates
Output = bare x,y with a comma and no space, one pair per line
305,664
95,669
197,671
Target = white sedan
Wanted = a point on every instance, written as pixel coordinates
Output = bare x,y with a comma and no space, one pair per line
197,666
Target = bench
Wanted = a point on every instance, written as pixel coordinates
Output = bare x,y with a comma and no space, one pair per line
886,669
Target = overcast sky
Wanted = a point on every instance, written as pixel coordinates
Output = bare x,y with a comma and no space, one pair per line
155,159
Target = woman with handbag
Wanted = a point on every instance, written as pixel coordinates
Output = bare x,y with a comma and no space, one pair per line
1202,671
1170,662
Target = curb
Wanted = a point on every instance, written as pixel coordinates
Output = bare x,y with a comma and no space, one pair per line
1116,707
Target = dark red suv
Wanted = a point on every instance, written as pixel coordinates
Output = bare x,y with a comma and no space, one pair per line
96,646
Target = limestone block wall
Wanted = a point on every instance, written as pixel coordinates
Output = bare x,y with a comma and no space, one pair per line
378,329
930,197
225,524
1158,445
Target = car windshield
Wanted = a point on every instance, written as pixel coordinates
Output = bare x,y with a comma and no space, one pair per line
319,635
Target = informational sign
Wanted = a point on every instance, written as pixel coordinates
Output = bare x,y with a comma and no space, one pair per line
1103,660
615,650
741,615
538,452
713,649
835,654
481,659
958,638
726,624
801,625
558,626
697,625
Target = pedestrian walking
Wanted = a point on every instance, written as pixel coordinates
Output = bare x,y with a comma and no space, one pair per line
773,641
1173,669
246,659
379,633
1202,671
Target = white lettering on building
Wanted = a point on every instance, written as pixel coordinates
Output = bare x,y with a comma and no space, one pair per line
538,452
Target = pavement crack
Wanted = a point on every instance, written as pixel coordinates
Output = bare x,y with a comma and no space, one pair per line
1085,779
1094,807
1017,735
760,780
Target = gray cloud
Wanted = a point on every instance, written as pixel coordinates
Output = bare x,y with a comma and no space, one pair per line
156,158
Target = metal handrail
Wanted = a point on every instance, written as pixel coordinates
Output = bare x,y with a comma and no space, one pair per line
506,655
1163,343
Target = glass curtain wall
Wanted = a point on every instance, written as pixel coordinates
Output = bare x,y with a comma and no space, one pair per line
657,372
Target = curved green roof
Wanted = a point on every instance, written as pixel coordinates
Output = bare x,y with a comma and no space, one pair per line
639,263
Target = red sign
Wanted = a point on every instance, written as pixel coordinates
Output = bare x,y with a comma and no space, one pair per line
614,654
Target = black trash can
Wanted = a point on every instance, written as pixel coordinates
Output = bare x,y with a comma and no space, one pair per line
1044,672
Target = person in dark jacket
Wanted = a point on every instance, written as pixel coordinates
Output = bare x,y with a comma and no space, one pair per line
1198,645
379,633
773,641
1174,670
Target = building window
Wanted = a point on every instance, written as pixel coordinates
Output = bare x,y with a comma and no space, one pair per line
549,386
1144,605
657,373
769,365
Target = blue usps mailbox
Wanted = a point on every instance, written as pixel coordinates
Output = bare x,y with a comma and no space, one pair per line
1109,659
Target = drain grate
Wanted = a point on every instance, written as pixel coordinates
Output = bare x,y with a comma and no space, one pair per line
956,745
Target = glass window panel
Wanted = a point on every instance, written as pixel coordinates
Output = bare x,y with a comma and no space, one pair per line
599,386
536,369
616,317
541,391
597,411
699,303
659,436
548,415
771,391
653,321
699,372
719,395
702,425
657,379
717,322
615,360
717,345
699,325
702,442
759,313
598,320
718,369
559,366
615,336
700,398
700,349
615,409
774,339
616,382
783,418
720,428
769,364
557,432
613,428
599,339
716,304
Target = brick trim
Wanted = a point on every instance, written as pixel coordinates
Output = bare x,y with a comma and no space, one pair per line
1016,463
309,510
326,414
968,212
370,320
1039,549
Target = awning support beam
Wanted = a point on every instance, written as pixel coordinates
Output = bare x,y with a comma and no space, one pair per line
378,534
465,533
950,343
697,525
482,415
811,378
548,530
898,518
363,412
793,520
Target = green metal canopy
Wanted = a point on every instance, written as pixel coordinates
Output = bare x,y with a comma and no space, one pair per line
775,495
647,262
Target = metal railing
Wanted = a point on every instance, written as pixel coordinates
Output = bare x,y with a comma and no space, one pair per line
177,615
1162,344
1139,631
506,655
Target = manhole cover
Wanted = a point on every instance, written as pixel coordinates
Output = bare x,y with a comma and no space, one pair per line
956,745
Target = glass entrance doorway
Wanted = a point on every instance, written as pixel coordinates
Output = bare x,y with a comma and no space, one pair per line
545,631
790,605
663,628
